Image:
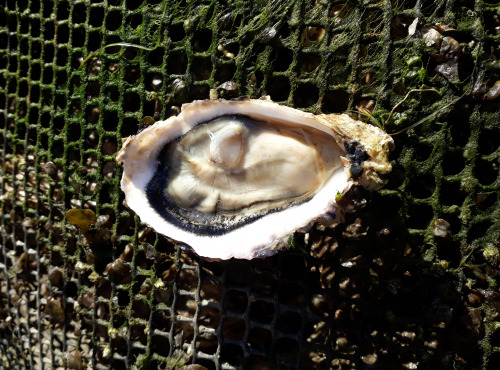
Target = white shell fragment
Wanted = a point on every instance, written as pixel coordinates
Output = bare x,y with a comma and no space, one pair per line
234,178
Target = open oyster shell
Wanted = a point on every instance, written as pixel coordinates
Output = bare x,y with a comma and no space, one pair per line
235,178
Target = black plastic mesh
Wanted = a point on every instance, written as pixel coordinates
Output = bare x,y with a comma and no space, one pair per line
410,280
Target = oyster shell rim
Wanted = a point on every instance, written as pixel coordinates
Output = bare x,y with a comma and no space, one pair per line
148,143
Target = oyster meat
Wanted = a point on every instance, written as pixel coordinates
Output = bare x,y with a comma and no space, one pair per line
234,178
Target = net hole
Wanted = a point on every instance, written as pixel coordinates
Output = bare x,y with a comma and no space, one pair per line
419,216
57,149
115,48
110,120
233,328
495,339
225,72
484,201
259,339
113,20
201,68
396,177
109,146
309,62
93,89
138,333
35,27
95,41
312,34
48,53
486,172
422,187
186,306
399,27
237,273
23,90
133,20
176,32
279,88
123,300
101,332
96,16
49,30
60,101
488,141
460,133
423,152
208,344
24,47
235,301
24,25
478,231
161,321
335,101
176,63
73,155
120,346
232,354
4,41
34,94
91,139
133,74
45,120
188,280
286,349
291,294
155,57
293,267
199,92
289,322
79,14
256,362
453,163
449,252
74,131
264,284
202,40
109,170
129,126
131,102
12,41
12,23
35,50
387,206
104,288
281,59
35,72
209,317
125,225
33,120
92,113
141,309
211,290
78,37
262,312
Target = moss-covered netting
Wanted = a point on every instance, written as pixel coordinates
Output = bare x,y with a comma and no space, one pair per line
410,280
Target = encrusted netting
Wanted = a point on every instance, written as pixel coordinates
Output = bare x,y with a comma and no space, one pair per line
410,280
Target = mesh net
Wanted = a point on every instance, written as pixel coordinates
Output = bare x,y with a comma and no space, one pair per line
409,280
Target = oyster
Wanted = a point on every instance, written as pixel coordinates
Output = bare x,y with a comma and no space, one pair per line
235,178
